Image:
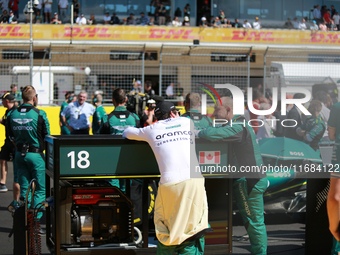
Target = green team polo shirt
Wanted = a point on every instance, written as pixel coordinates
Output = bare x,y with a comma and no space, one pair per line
28,125
118,120
97,116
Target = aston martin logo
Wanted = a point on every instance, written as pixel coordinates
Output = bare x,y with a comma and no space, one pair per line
22,121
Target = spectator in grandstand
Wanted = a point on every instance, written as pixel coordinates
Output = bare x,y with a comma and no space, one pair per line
293,114
81,20
4,17
332,10
63,6
302,25
161,11
333,26
13,6
38,17
151,22
246,24
288,24
336,19
176,22
98,114
48,10
148,56
237,24
267,124
222,15
153,6
56,19
170,91
257,23
227,23
317,14
75,17
212,21
186,22
295,23
323,10
327,18
38,8
131,19
322,96
313,129
168,21
124,22
79,112
12,19
143,20
217,22
114,19
186,11
4,5
314,27
92,20
76,8
107,18
203,22
323,26
223,21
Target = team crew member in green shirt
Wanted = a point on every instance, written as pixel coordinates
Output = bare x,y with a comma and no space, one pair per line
63,126
191,104
120,118
313,129
98,114
117,121
248,187
27,126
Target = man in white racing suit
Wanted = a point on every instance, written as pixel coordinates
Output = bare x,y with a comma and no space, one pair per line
181,210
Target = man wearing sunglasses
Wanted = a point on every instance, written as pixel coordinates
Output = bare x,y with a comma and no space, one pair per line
181,210
27,127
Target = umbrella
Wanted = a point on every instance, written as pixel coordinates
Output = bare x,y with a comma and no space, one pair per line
283,148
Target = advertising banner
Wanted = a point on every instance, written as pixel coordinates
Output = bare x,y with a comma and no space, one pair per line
169,34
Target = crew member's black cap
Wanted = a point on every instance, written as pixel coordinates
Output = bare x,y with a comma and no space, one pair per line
8,96
163,108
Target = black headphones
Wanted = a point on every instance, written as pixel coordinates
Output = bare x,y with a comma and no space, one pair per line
95,99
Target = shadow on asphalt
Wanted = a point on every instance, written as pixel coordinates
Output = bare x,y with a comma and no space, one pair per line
5,230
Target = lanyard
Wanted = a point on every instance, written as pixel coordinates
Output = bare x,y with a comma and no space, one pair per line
79,109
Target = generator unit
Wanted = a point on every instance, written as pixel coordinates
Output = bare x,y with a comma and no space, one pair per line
93,215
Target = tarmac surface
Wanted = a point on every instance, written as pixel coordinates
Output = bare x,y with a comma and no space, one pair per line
285,235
